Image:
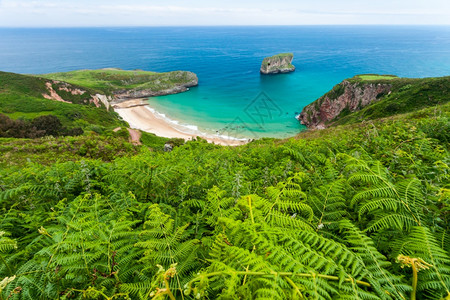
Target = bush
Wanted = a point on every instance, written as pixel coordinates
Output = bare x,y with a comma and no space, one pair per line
50,124
38,127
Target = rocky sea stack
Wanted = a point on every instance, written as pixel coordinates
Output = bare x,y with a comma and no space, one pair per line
280,63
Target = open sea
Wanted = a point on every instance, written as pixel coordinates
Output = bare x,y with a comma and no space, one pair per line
232,97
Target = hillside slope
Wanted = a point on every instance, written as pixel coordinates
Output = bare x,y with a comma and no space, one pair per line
354,211
368,97
28,97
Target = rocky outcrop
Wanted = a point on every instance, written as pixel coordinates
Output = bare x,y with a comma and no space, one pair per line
106,100
281,63
52,94
62,91
345,97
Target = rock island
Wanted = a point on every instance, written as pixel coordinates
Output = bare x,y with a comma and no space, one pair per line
280,63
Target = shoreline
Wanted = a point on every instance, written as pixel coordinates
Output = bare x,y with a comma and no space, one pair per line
139,115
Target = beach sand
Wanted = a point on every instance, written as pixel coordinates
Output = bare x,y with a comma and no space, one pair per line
139,116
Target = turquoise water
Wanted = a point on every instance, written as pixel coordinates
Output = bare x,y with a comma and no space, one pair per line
232,96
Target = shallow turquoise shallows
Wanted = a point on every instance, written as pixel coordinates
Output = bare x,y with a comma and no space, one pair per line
233,98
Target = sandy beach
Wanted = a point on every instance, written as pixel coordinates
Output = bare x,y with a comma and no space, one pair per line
137,113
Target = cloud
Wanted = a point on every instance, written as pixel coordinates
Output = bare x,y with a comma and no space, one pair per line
232,12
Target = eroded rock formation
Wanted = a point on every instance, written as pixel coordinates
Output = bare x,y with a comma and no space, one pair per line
281,63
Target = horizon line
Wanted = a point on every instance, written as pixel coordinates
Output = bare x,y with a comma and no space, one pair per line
228,25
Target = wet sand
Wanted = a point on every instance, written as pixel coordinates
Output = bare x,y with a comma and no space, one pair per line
137,113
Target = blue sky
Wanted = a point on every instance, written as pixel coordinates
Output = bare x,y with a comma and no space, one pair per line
62,13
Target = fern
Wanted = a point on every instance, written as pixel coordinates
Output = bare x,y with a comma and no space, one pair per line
396,205
382,280
164,244
420,243
85,249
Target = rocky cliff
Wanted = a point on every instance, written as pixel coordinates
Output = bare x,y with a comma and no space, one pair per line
281,63
347,96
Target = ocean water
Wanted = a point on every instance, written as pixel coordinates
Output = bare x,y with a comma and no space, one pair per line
232,97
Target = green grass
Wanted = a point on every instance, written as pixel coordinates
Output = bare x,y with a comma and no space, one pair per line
368,77
154,142
278,56
27,107
284,55
108,81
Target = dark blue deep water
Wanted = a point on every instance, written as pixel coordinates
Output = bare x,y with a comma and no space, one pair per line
227,61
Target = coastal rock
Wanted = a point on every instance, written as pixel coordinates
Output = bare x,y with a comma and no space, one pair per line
345,97
280,63
103,99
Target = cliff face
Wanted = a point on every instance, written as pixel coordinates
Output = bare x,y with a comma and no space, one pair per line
281,63
345,97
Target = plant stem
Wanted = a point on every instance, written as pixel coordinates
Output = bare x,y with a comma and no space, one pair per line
250,207
7,266
414,282
295,287
169,293
283,274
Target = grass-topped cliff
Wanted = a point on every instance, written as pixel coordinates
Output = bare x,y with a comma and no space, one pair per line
126,83
358,211
368,97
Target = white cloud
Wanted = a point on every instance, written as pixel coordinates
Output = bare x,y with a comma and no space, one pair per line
232,12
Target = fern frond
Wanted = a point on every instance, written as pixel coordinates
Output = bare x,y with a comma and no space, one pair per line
422,244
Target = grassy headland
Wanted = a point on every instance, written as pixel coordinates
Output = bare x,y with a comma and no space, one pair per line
113,81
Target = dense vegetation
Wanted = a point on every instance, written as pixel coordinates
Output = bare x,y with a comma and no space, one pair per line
38,127
351,212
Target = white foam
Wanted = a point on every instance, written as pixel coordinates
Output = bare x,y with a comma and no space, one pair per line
189,128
